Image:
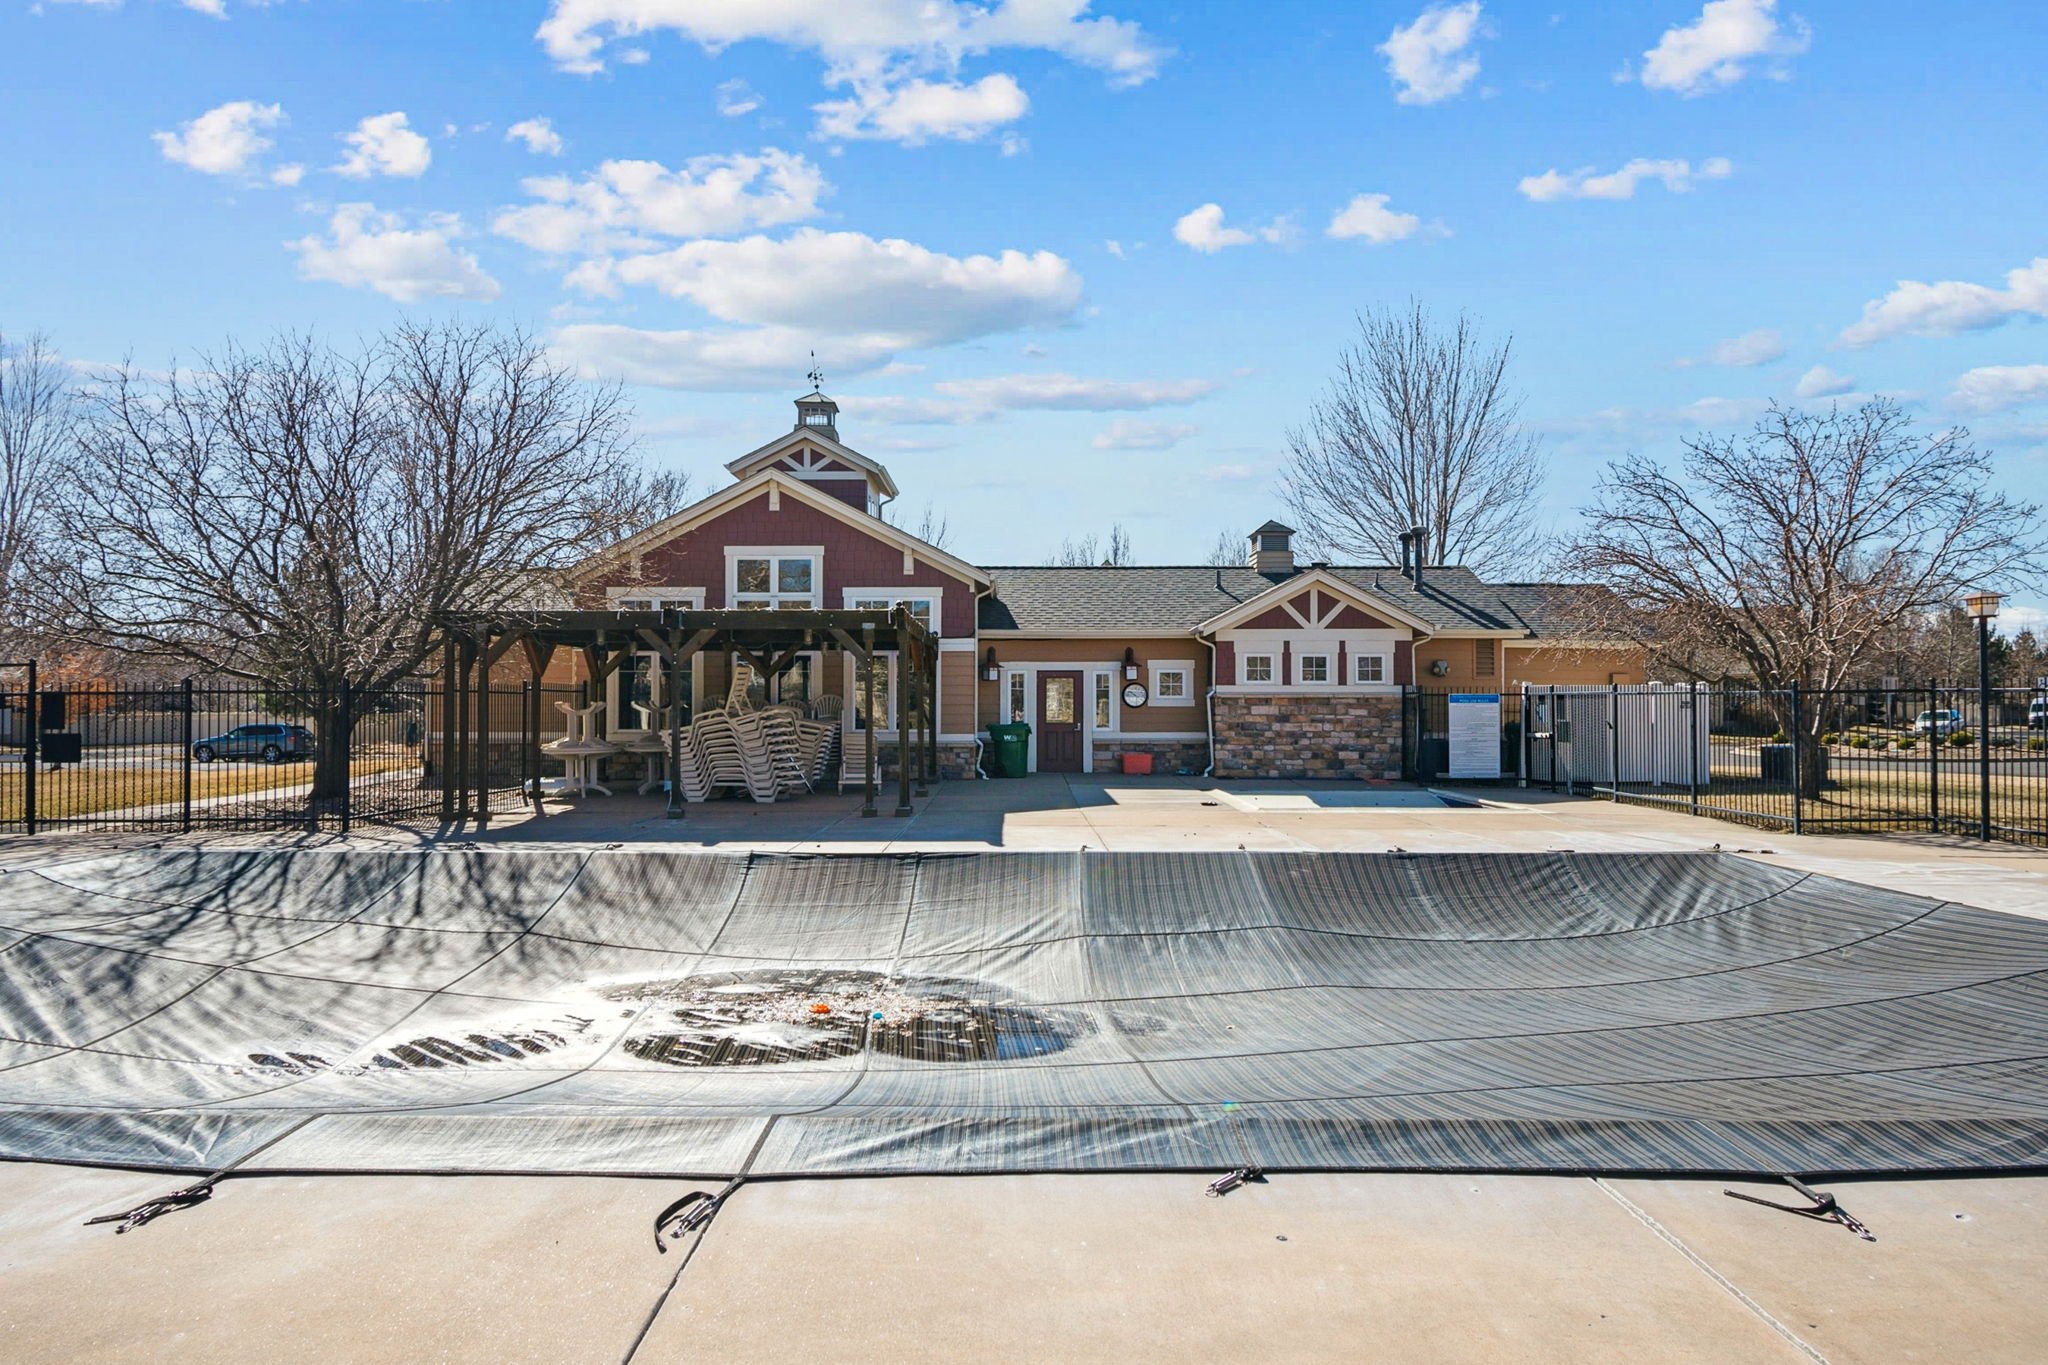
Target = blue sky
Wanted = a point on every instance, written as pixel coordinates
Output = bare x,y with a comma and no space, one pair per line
991,222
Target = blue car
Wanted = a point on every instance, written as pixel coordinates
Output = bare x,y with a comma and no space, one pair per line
271,743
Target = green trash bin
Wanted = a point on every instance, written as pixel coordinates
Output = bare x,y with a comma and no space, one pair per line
1009,749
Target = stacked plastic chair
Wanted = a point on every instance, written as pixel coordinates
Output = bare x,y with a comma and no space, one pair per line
580,749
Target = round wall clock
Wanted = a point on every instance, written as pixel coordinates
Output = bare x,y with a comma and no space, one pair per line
1135,694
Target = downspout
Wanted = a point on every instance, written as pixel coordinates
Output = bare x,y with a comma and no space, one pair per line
1210,771
978,752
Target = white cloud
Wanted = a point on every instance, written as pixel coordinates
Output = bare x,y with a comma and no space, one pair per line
1368,216
216,9
366,249
382,144
855,300
1202,230
1127,433
1822,382
864,38
539,135
1951,306
1993,388
750,359
1068,393
288,175
737,98
915,111
1678,177
224,140
623,204
1760,347
1428,58
893,293
1715,50
1643,423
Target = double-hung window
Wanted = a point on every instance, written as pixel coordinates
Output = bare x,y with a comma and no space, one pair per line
1258,668
774,582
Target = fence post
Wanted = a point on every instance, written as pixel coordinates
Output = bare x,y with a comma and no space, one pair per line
31,752
185,762
1692,725
1933,759
1614,739
1798,768
348,756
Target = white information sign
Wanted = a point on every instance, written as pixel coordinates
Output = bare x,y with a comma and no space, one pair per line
1475,734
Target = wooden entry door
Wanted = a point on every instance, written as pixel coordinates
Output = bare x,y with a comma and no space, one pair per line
1059,722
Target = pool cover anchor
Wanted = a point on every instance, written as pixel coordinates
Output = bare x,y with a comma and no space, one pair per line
689,1214
156,1208
1824,1207
1244,1175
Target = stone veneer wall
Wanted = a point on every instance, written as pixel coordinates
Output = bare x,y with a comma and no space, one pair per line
1168,755
1301,735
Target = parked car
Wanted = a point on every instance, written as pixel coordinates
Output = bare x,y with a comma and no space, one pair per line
1938,722
271,743
2037,714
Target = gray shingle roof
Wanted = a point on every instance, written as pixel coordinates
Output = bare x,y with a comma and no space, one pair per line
1181,597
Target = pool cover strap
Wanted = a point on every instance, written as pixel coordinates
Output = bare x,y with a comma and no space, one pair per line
1823,1207
158,1207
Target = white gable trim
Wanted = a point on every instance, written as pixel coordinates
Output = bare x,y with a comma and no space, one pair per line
779,485
1324,586
781,445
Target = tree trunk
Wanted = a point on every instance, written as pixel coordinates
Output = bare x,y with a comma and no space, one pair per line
1801,725
334,724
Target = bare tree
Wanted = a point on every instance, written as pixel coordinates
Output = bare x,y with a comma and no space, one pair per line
1802,553
296,516
1417,429
1228,551
36,414
932,527
1091,551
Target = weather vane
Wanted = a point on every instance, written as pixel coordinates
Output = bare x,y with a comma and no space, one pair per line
816,376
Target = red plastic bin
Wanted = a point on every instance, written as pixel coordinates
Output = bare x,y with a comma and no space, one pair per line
1137,765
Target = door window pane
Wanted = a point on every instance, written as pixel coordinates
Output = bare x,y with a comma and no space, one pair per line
1016,697
1059,701
881,665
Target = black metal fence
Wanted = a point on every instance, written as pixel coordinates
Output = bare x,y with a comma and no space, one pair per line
1934,758
191,757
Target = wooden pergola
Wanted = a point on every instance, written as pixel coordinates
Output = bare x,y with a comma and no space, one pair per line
770,642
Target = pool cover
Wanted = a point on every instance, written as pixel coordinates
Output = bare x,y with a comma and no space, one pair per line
711,1015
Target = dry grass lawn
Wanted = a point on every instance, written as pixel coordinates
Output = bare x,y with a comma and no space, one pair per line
87,791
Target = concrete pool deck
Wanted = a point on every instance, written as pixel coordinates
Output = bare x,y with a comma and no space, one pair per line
1447,1268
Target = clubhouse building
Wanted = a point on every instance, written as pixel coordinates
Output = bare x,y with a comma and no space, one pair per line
1272,668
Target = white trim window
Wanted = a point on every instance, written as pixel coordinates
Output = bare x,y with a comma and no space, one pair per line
923,604
1105,701
774,577
885,690
1368,668
1019,707
1260,668
1312,670
1173,682
654,599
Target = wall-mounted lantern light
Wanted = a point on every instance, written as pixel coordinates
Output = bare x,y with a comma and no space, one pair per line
1130,663
1439,667
990,672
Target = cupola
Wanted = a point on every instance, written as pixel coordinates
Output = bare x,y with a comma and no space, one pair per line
1272,549
816,412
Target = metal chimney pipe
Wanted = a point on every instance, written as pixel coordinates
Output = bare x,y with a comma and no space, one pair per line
1421,535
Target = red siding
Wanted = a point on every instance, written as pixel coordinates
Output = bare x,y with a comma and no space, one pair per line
1226,662
1273,619
853,558
1351,618
1404,661
852,492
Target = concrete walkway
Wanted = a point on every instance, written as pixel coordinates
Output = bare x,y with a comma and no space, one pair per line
1042,1268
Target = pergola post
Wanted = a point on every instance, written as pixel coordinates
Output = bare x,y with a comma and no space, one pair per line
458,771
537,657
906,688
868,718
931,714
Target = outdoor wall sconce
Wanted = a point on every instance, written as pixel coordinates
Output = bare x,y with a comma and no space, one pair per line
1439,667
1130,663
989,671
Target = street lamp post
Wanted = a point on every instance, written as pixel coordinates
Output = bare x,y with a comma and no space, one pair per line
1982,607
